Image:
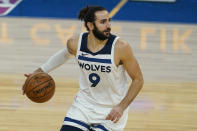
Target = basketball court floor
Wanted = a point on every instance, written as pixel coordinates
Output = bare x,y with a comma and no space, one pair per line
166,53
158,107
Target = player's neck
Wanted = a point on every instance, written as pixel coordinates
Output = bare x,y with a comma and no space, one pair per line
95,41
94,44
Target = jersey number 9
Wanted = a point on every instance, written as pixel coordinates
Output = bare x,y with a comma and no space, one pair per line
94,79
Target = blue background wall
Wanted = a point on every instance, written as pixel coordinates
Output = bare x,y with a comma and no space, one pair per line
183,11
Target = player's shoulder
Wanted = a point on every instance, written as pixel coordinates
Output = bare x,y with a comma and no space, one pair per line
123,49
122,44
72,44
74,39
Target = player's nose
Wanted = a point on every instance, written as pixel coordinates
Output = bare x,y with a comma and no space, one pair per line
108,25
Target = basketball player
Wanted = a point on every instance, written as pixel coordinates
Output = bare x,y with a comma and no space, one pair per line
102,101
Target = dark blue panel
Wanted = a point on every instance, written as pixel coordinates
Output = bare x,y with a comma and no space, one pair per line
108,61
183,11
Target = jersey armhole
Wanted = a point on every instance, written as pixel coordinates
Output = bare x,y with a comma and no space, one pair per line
112,50
79,44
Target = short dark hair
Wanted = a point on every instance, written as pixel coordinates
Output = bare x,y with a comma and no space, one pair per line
87,14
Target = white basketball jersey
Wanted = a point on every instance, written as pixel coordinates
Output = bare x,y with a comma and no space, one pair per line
101,81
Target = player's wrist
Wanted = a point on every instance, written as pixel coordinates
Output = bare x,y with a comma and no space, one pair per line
38,70
122,106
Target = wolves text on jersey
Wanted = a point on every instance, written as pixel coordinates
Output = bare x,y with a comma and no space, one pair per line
94,67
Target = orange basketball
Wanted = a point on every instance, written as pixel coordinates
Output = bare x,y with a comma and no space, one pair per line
39,87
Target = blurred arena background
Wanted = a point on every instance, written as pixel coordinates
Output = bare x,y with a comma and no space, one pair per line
162,33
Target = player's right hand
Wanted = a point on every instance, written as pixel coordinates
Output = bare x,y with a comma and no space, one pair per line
115,114
26,75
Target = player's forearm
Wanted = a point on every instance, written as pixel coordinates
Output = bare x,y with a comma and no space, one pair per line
38,70
56,60
134,89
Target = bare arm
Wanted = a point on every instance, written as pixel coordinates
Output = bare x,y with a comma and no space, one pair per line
131,65
57,59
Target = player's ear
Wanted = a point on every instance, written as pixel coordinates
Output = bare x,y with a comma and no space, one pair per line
90,26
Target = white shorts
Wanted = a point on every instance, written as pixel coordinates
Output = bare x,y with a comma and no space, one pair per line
85,116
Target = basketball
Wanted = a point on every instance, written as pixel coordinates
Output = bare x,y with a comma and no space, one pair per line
39,87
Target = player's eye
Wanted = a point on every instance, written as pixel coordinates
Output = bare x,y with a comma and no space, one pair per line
103,21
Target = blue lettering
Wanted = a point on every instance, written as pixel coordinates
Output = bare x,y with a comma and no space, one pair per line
102,68
108,69
81,64
94,67
87,67
97,67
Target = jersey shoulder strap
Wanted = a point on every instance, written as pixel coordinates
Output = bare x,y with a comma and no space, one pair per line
105,50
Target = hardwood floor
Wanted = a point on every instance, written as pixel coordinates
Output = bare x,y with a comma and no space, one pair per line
158,107
166,53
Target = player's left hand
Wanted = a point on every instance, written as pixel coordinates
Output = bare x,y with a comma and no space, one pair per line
23,87
115,114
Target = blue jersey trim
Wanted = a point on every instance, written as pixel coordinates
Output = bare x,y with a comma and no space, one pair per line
77,122
101,127
108,61
84,124
105,50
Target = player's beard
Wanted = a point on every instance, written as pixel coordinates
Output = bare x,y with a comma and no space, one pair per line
100,34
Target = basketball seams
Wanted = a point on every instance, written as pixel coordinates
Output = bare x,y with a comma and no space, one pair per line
27,81
39,85
39,80
41,97
32,76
